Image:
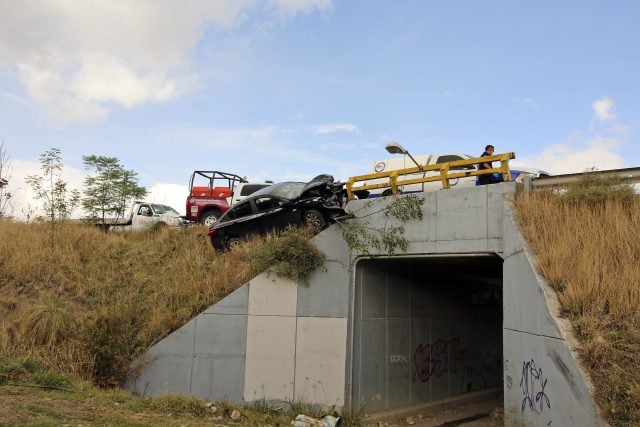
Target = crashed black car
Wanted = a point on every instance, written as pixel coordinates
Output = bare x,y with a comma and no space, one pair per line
316,204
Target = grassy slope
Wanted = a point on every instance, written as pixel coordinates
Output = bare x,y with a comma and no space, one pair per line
587,246
90,304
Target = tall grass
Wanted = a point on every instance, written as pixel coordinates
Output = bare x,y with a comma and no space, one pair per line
94,301
587,245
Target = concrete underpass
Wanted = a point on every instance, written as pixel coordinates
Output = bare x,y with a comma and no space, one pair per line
461,313
426,329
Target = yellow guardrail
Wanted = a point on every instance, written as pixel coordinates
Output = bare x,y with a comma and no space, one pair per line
445,172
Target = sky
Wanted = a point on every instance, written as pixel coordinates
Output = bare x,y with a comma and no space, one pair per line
289,89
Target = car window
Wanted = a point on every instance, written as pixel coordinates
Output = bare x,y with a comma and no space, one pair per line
267,203
453,158
144,210
287,190
239,211
163,209
252,188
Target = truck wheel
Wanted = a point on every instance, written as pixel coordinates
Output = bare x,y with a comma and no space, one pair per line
210,218
314,218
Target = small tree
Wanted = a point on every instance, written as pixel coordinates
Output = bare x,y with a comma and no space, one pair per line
363,237
5,176
110,189
57,200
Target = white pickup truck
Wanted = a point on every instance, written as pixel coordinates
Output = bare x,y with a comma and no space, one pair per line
404,162
143,216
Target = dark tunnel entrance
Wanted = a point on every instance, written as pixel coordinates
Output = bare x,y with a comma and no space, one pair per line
425,329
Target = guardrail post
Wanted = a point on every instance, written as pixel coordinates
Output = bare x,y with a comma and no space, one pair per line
527,185
444,175
393,179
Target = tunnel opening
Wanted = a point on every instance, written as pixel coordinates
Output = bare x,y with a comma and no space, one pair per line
425,329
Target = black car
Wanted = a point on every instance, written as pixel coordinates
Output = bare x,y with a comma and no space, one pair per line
315,203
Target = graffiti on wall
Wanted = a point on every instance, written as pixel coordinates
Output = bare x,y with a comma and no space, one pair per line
437,358
474,370
534,388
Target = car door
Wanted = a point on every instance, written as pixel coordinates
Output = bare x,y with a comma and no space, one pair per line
239,221
275,213
142,218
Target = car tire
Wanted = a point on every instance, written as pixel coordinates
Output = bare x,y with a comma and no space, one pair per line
210,218
314,218
232,242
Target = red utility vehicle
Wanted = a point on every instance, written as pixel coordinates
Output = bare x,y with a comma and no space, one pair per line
210,195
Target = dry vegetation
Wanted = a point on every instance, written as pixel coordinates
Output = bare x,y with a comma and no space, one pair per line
93,302
587,244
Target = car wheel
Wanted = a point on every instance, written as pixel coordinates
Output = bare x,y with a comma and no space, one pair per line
232,242
210,218
314,218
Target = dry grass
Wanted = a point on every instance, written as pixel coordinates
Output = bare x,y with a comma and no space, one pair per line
94,301
587,243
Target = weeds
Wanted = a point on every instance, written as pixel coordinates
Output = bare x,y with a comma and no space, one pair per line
362,236
96,301
586,245
291,255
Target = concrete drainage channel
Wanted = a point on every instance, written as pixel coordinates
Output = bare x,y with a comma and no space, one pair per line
426,329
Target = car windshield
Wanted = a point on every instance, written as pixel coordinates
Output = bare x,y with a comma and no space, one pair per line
163,209
286,190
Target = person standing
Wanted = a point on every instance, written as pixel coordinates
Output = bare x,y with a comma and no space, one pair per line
488,178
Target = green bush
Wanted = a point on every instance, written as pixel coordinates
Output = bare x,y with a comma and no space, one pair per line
595,190
289,255
112,340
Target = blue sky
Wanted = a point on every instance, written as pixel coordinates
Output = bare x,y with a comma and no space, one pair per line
288,89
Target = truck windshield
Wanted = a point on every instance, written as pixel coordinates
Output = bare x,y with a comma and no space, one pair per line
163,209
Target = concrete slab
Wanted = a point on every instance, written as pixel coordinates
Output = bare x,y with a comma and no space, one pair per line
272,296
270,358
462,214
167,365
331,243
542,384
327,293
236,302
220,335
218,378
424,230
520,289
320,360
399,362
371,370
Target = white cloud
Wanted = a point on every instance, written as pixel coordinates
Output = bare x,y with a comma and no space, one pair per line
599,152
603,108
336,127
584,150
289,8
76,59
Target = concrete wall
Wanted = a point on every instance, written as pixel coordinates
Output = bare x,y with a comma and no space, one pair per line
271,339
543,383
323,342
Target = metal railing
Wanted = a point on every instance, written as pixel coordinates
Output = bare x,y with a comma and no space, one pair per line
628,175
443,172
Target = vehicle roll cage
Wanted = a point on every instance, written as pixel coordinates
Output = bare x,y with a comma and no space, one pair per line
217,177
